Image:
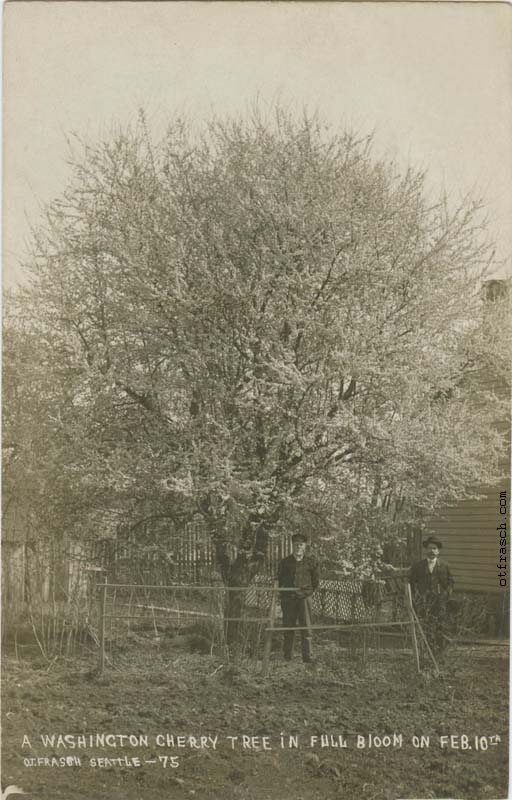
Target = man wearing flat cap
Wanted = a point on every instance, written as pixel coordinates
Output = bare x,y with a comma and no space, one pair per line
298,575
431,587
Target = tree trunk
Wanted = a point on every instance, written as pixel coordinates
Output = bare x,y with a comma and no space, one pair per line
246,565
238,573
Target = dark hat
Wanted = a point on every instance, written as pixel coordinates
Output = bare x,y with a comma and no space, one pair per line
433,540
299,537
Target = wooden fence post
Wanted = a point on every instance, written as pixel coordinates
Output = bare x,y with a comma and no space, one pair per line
307,619
410,609
425,641
103,606
268,634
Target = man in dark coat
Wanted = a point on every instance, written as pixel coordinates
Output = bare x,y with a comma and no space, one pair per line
299,572
431,587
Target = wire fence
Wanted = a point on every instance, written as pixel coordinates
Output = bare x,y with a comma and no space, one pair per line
178,618
119,623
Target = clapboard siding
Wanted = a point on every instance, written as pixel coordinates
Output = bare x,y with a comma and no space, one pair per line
472,524
478,528
471,540
472,552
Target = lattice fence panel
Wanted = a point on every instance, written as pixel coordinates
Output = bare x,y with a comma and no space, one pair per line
341,600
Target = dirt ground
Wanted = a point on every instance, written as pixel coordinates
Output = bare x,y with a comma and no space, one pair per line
150,691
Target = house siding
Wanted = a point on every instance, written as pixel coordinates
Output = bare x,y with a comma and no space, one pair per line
471,541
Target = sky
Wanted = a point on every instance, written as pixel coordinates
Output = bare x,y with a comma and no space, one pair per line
431,80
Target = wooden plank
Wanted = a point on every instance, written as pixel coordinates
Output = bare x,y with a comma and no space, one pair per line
471,517
474,524
473,533
408,604
482,561
484,534
485,499
467,575
474,553
471,524
474,550
485,494
473,544
425,641
481,588
462,551
473,521
474,503
463,582
268,633
466,583
475,571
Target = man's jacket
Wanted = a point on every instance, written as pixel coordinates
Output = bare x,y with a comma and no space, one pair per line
302,575
423,582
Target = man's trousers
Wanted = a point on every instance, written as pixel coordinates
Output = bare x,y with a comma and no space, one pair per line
297,613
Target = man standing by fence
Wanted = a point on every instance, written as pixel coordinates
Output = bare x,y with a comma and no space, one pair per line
297,571
431,587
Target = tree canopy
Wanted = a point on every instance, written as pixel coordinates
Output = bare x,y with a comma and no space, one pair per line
263,324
